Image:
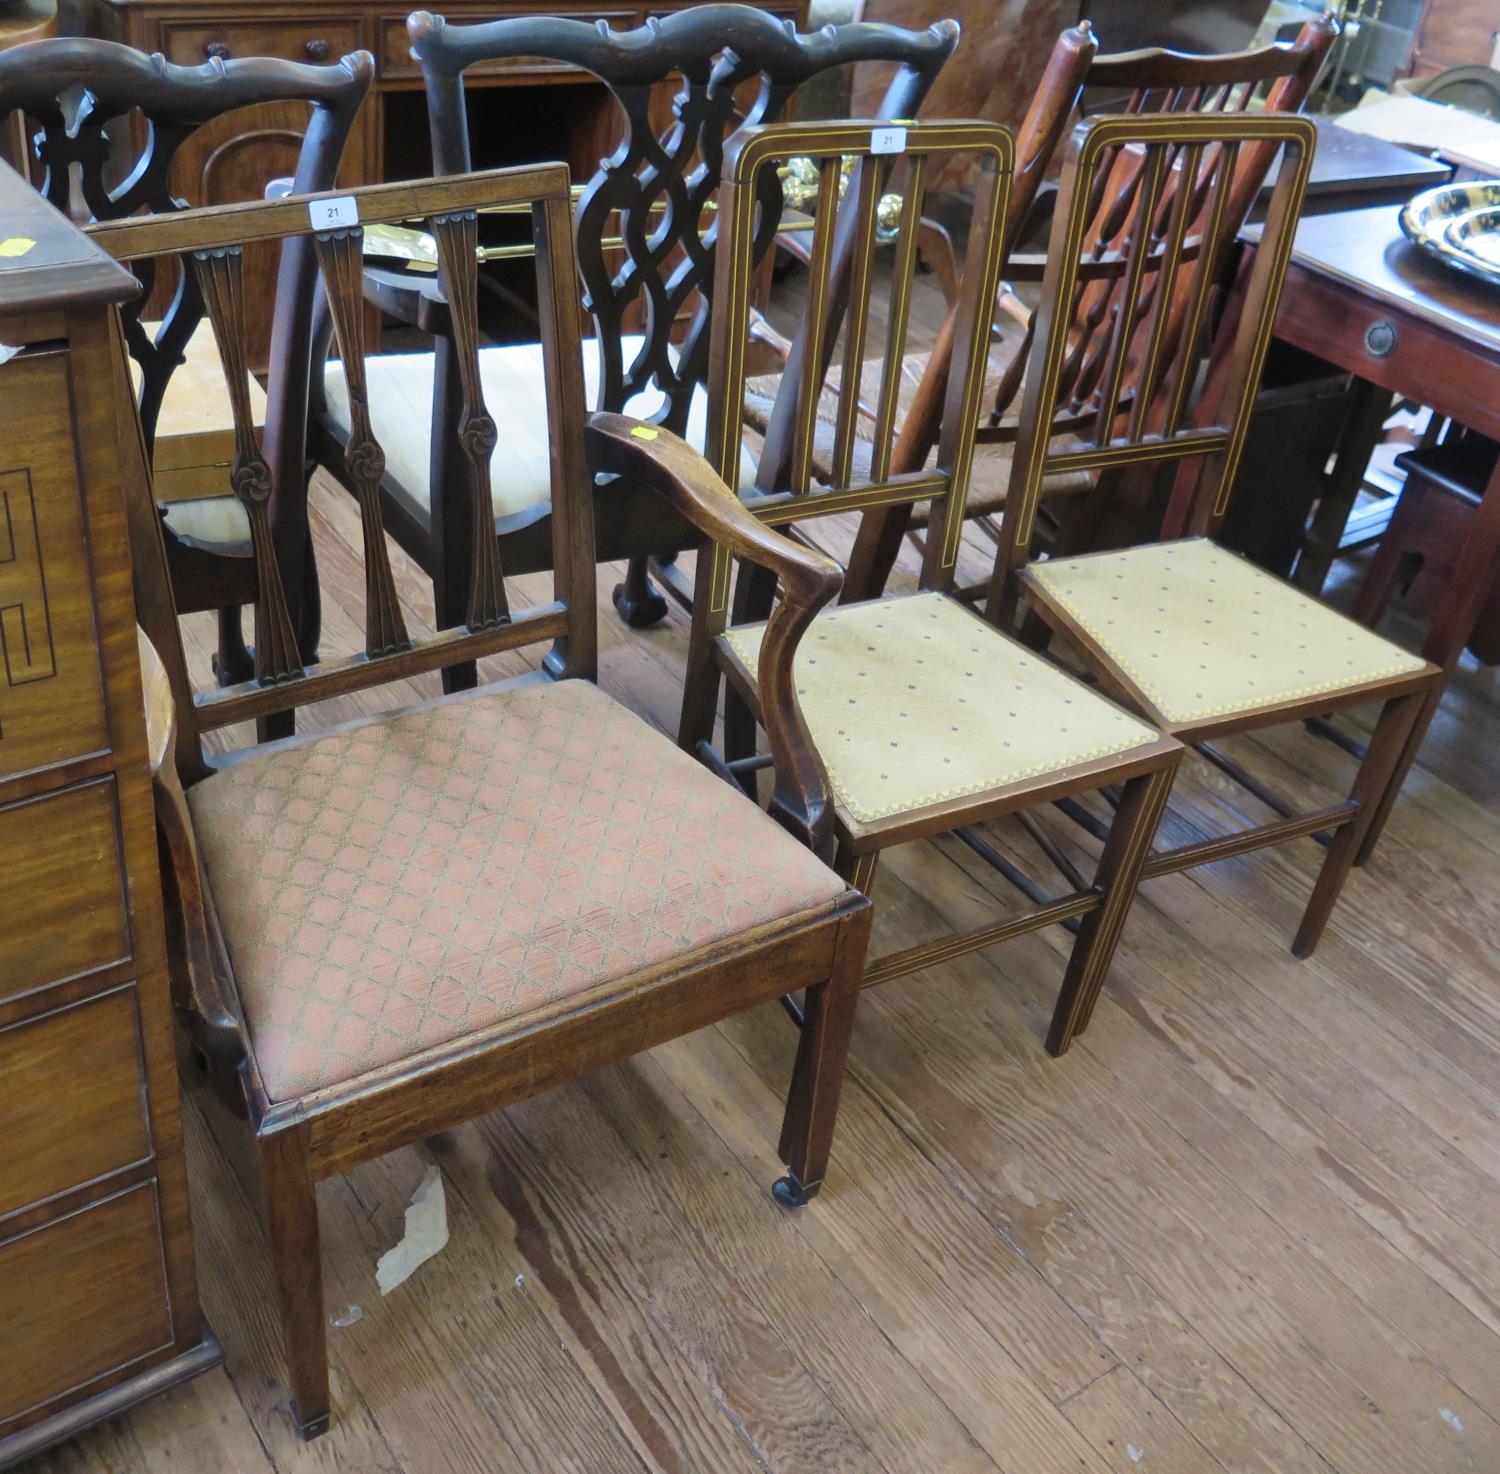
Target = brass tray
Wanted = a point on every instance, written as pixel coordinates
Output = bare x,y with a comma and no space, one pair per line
1459,224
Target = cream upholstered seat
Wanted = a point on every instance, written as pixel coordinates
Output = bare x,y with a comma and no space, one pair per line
515,391
404,882
915,700
1201,632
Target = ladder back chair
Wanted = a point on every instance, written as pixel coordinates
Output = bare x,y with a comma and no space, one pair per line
644,236
1197,639
391,926
1275,78
83,97
926,718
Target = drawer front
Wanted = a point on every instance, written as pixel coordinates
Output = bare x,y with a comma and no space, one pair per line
60,870
51,692
72,1099
81,1297
395,46
191,43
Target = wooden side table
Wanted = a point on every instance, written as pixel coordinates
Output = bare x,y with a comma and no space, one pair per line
98,1299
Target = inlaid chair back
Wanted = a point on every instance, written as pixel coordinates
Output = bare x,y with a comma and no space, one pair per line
211,243
81,97
1127,386
659,189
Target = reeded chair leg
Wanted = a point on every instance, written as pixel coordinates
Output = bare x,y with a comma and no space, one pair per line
1377,771
818,1075
292,1214
1126,851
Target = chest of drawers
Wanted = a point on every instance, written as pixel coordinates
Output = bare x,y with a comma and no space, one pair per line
98,1302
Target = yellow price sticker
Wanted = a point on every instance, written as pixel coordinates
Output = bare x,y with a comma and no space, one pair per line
16,245
644,432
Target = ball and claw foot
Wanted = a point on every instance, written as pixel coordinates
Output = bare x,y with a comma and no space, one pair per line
640,612
313,1428
791,1194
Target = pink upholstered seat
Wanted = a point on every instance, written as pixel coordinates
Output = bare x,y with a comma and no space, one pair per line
397,885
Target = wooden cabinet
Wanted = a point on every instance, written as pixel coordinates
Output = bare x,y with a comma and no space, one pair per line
98,1303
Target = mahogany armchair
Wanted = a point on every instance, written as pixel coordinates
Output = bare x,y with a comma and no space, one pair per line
83,97
655,368
928,719
1196,639
389,927
1275,78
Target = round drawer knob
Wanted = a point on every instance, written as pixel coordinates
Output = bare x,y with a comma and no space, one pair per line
1381,338
317,49
216,50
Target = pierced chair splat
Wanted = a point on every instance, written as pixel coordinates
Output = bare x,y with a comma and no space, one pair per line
388,927
1193,637
109,122
927,719
644,237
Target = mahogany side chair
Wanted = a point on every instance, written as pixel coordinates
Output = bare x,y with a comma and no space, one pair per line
1275,78
644,239
927,718
88,100
392,926
1196,639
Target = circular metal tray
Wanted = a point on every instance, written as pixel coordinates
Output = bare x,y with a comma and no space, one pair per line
1460,225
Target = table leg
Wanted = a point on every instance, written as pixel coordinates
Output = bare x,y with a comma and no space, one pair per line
1457,612
1367,413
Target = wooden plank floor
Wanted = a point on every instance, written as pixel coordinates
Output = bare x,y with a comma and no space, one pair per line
1248,1224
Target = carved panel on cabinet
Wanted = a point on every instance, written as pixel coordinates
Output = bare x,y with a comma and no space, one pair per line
51,695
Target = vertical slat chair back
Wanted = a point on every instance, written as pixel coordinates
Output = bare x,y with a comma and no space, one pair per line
1096,382
657,192
210,243
863,477
82,95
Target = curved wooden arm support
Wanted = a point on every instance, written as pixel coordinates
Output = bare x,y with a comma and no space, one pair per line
800,801
197,993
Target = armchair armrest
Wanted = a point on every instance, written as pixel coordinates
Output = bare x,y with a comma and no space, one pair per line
413,299
800,800
197,994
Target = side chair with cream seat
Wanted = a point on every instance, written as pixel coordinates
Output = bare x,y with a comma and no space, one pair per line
644,240
927,718
1194,638
386,928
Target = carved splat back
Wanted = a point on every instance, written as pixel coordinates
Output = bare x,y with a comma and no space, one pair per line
210,243
80,98
1159,270
656,192
866,340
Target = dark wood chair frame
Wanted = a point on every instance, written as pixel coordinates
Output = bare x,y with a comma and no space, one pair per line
1096,909
717,50
1156,83
1196,444
300,1141
83,95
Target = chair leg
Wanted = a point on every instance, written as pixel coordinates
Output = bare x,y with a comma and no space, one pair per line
1372,783
637,601
818,1075
1387,801
1393,556
292,1213
1131,833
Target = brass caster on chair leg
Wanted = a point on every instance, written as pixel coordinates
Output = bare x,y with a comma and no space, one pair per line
650,608
791,1194
313,1428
